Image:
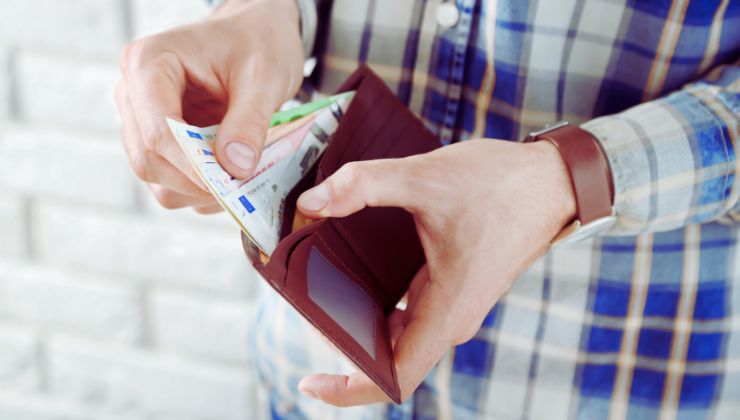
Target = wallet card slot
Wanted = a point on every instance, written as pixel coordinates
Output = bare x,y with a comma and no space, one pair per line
385,241
336,248
377,146
353,120
367,133
348,304
307,181
353,337
274,270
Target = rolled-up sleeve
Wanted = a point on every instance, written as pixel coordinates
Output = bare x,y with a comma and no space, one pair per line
673,159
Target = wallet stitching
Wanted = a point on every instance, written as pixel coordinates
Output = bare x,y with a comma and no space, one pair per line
359,283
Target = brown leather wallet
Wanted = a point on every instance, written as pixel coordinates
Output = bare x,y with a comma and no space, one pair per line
346,275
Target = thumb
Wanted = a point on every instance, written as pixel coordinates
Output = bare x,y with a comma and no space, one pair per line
242,132
356,185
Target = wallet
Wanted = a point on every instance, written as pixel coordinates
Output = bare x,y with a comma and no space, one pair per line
346,275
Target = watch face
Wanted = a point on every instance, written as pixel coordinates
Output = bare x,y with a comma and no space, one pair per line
578,232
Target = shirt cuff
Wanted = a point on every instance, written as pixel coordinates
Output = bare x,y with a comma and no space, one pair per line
673,159
309,21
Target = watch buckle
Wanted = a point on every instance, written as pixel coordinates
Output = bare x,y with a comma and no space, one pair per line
547,129
577,232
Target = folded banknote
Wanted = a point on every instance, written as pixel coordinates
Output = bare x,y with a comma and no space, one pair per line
257,203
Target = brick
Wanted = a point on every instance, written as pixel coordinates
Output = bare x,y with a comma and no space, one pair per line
65,164
18,367
205,328
160,385
37,406
151,16
13,228
69,301
159,251
82,26
55,89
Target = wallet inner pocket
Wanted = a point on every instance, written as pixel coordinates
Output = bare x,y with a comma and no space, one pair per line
385,240
348,304
330,294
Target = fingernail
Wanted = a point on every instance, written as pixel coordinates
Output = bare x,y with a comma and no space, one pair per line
309,393
314,199
240,155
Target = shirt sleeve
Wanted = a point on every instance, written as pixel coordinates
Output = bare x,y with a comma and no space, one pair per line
673,159
309,22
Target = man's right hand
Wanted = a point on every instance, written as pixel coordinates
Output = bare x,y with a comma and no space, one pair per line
235,68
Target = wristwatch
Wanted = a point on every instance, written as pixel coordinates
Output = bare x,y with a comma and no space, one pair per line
590,177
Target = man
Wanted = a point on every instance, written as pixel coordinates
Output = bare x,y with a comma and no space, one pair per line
639,320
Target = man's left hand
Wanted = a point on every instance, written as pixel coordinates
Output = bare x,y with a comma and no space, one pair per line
485,210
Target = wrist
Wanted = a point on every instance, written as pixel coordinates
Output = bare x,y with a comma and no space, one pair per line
283,8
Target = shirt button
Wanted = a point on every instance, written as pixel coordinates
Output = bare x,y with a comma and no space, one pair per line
447,14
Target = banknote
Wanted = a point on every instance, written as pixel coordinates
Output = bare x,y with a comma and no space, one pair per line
257,203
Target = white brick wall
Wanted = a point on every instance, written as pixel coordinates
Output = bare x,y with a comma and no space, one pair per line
30,162
88,27
214,330
37,406
160,384
18,364
154,16
61,300
156,252
65,90
111,308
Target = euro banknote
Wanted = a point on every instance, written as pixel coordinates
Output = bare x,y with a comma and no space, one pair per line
257,203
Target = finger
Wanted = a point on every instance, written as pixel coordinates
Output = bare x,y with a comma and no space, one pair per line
356,389
147,165
417,285
423,337
342,390
170,199
208,209
356,185
418,348
242,132
155,84
396,325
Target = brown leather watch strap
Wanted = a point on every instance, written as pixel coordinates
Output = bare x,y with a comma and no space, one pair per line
589,169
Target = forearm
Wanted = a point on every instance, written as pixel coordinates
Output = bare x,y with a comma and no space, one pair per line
296,12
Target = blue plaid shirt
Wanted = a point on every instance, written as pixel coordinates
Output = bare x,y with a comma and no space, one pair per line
642,322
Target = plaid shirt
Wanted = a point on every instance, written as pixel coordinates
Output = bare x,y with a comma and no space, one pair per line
643,322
